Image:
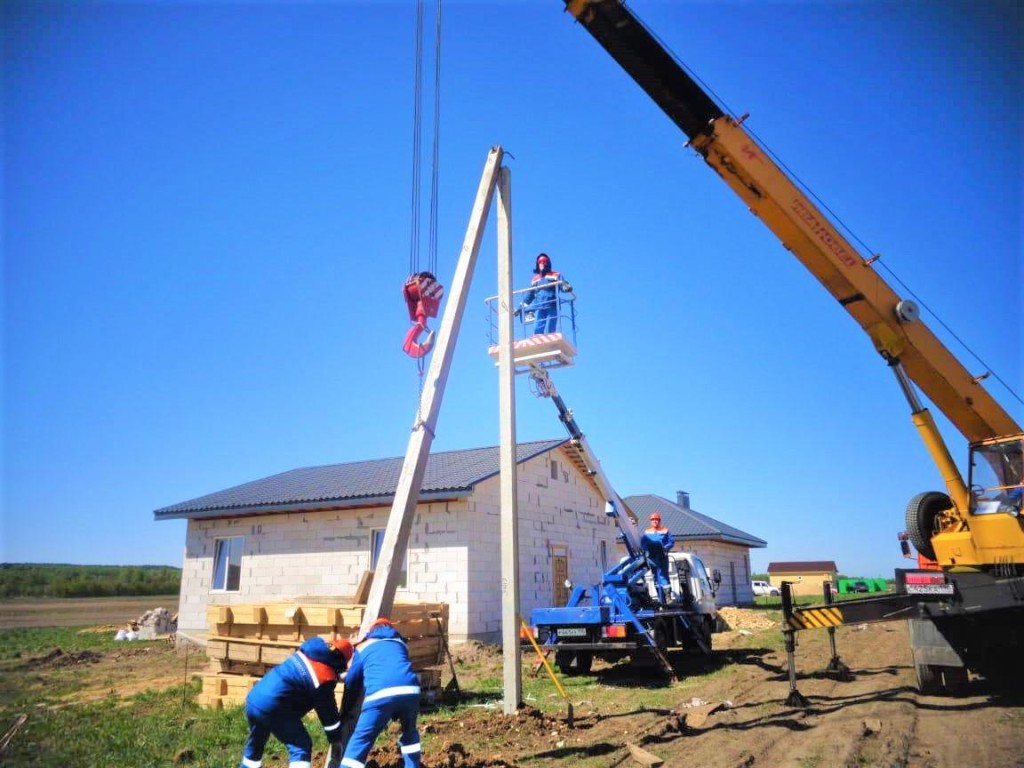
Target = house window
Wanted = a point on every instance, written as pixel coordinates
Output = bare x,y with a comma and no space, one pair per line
604,556
227,564
376,541
554,469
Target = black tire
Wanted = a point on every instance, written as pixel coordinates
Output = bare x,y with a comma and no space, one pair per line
563,660
920,519
954,680
929,678
584,661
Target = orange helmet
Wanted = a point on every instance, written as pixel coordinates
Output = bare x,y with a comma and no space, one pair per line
344,647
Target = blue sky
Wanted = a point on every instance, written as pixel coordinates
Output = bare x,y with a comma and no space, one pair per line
206,225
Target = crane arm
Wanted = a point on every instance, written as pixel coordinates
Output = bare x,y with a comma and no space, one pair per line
616,506
891,323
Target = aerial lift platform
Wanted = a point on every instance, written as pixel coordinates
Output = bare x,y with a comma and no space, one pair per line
537,350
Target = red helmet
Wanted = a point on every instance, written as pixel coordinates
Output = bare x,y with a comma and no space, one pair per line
344,647
542,258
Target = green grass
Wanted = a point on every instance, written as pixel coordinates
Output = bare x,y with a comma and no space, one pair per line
15,643
80,715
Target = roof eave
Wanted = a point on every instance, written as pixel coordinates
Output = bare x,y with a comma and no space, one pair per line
725,539
305,506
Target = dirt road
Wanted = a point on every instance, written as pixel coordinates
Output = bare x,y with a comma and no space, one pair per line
37,612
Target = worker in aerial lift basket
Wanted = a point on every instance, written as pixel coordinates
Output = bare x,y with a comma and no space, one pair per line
277,703
542,298
381,676
656,543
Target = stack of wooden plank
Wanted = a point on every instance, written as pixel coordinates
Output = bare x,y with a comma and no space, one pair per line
245,641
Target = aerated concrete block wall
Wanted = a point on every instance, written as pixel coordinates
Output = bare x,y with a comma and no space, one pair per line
454,553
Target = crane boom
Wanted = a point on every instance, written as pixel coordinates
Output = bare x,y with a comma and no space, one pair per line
971,616
803,229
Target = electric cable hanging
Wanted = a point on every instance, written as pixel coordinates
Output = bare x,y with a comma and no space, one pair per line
422,291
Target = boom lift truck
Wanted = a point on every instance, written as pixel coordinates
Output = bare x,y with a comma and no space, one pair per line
967,614
625,614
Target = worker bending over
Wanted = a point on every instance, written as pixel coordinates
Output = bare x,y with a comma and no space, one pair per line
381,674
277,703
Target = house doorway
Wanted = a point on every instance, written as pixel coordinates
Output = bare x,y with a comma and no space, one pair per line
559,574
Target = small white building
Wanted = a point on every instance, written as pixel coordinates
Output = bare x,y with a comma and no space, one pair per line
313,532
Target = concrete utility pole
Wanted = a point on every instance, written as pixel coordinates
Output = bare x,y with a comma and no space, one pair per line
513,677
396,535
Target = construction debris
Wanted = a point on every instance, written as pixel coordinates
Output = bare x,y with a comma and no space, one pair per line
8,736
151,625
643,757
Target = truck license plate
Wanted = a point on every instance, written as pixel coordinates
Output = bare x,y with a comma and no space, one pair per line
929,589
572,632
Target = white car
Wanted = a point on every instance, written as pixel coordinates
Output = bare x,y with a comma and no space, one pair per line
763,588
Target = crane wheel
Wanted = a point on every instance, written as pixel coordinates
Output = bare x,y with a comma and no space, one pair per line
920,519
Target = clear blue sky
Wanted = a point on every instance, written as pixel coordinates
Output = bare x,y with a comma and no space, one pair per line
206,225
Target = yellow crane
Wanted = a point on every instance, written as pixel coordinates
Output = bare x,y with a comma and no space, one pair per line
973,530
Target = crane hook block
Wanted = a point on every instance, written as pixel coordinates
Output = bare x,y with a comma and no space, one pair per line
423,296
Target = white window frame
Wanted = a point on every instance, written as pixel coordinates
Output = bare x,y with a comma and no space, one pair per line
227,554
376,540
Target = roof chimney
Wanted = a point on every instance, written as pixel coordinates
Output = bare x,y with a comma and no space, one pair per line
683,499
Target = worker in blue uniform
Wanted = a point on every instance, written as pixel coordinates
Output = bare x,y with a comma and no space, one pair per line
304,681
656,543
542,298
381,674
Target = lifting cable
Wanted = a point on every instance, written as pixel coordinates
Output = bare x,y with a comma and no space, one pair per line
422,291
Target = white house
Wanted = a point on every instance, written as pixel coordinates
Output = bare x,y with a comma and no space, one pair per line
313,532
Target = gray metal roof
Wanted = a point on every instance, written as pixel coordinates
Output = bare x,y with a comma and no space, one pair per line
448,475
686,523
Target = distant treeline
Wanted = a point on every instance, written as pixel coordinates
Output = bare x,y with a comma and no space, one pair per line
46,580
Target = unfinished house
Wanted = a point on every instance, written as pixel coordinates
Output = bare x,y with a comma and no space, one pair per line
720,546
313,533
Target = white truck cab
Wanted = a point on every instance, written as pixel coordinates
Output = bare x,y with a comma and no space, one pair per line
689,579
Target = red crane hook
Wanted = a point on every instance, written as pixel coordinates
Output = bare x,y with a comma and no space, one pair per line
422,295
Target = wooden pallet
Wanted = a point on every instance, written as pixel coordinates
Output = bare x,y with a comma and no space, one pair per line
245,641
222,690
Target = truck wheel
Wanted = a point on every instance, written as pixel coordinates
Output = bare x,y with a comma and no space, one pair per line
583,659
703,628
929,678
563,660
954,680
920,519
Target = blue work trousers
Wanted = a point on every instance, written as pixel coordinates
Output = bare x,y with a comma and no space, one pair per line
546,320
287,727
374,718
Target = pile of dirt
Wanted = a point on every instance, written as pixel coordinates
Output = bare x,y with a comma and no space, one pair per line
473,652
745,618
59,658
506,737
